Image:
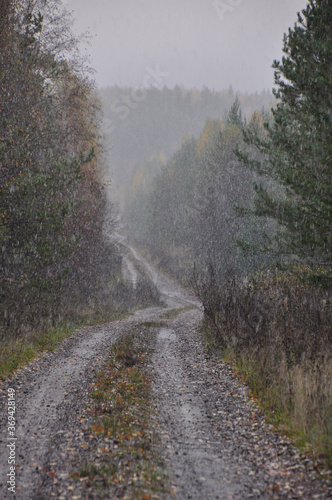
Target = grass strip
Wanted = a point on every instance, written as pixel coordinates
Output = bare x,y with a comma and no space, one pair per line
174,313
126,462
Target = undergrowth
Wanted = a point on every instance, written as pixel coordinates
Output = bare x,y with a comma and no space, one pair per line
276,331
294,401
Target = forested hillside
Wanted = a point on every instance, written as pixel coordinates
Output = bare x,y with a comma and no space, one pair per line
185,215
259,259
151,122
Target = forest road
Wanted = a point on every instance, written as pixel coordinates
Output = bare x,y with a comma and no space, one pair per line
214,442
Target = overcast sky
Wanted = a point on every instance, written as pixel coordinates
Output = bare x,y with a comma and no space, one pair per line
186,42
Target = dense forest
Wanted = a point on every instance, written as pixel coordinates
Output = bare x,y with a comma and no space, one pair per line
56,263
242,214
140,124
185,214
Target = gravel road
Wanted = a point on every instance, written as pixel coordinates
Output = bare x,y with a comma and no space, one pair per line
215,443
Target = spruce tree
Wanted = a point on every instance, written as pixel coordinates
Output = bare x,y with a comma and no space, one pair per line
297,145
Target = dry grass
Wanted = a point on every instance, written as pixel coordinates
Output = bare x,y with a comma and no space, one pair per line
277,332
298,401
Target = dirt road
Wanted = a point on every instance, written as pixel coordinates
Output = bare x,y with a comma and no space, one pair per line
215,443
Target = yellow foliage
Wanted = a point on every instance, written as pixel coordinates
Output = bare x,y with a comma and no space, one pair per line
195,96
206,137
232,133
139,182
256,124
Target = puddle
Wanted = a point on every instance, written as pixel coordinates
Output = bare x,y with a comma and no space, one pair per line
166,334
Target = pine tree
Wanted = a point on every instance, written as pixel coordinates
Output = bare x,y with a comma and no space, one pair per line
297,148
235,114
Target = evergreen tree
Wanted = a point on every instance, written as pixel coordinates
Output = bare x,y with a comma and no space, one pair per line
297,147
235,114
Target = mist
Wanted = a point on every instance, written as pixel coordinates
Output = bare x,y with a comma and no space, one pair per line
165,236
195,42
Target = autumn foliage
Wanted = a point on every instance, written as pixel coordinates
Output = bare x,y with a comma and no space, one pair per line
52,199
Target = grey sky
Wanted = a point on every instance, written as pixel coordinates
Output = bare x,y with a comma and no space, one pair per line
196,42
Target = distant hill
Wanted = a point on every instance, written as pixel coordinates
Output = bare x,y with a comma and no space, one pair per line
147,122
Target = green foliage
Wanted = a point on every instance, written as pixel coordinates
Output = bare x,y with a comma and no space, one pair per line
235,114
52,202
297,147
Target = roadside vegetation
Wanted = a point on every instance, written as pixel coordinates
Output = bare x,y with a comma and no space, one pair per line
276,330
20,350
260,259
56,265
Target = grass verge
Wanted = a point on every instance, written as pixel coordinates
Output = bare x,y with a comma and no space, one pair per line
276,332
290,402
125,463
15,353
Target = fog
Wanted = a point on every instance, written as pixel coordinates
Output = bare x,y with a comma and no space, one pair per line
193,43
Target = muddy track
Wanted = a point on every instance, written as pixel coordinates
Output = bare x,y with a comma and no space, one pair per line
214,442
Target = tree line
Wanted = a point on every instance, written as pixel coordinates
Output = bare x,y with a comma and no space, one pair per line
182,210
54,259
151,121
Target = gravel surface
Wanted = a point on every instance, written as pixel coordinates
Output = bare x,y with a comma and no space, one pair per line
214,441
217,443
51,393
